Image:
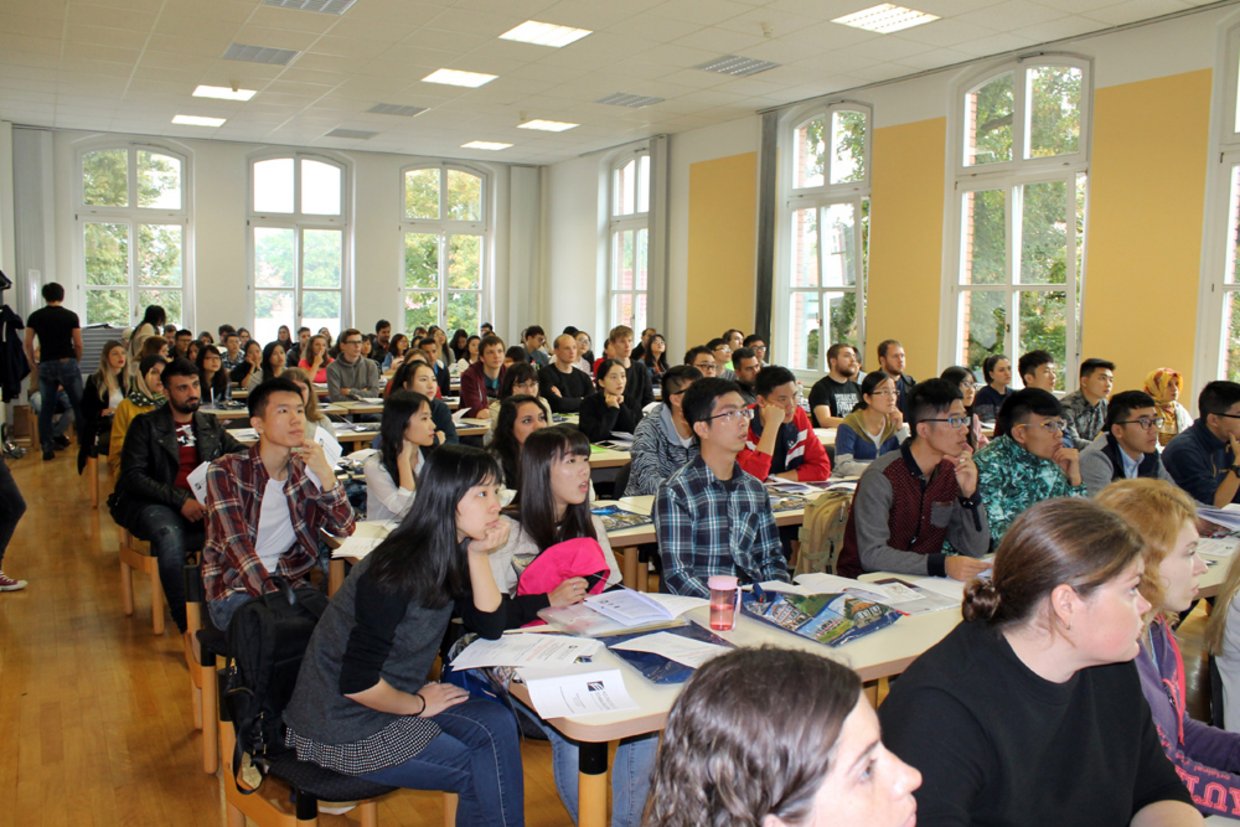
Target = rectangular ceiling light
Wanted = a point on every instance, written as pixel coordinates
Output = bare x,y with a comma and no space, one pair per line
197,120
631,101
356,134
321,6
225,93
490,145
547,126
886,18
396,109
544,34
735,66
259,54
455,77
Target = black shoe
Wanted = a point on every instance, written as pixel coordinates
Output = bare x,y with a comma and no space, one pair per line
48,455
61,441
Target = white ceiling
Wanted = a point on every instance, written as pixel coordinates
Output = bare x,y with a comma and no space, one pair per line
130,65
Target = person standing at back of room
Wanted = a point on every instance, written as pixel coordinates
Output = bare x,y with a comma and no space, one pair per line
60,350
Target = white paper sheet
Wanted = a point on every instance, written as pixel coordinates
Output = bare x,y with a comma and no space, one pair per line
676,604
197,480
579,693
692,653
628,607
1218,546
525,650
331,446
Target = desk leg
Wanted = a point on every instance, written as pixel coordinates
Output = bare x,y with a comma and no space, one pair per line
592,784
335,576
628,566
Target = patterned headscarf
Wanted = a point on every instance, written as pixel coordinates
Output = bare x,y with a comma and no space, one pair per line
1160,384
140,393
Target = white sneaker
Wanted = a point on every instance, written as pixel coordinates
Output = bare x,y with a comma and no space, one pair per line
337,809
8,584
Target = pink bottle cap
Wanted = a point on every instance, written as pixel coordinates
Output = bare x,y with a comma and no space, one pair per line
722,583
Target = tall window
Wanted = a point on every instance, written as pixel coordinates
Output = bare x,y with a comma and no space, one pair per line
1020,193
629,242
445,228
1222,291
825,220
298,225
133,222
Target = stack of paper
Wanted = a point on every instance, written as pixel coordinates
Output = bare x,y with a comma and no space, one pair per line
525,650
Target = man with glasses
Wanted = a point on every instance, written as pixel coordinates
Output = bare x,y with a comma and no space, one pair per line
701,358
1027,461
753,340
1127,448
710,516
352,375
722,352
1086,407
1204,459
911,502
781,441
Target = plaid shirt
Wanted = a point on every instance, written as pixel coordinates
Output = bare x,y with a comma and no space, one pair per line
1087,420
710,526
235,486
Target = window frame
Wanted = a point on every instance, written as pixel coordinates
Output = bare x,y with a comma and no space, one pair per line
444,228
299,222
620,223
792,199
134,216
1011,178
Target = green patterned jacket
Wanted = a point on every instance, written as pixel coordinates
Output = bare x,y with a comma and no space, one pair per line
1010,479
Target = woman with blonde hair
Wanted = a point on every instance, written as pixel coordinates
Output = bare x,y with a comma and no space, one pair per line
1166,385
105,389
1166,518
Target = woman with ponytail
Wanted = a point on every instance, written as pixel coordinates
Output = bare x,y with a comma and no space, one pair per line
1030,711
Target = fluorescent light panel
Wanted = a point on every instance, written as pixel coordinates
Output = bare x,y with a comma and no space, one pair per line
629,100
197,120
886,18
547,126
544,34
493,146
321,6
456,77
736,66
225,93
356,134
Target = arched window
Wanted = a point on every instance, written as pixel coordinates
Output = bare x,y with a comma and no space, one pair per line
824,232
299,227
1019,186
1220,299
628,231
133,223
444,222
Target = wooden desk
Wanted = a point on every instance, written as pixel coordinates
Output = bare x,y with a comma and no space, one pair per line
609,458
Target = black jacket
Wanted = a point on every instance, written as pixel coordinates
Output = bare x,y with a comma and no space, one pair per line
13,365
150,460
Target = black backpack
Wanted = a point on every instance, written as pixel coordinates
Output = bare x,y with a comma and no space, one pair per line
267,639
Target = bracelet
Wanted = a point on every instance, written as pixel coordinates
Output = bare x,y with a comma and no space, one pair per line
418,714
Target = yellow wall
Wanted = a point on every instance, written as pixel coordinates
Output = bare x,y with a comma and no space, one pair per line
906,243
1143,246
723,208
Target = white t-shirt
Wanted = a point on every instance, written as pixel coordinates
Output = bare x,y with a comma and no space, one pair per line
275,526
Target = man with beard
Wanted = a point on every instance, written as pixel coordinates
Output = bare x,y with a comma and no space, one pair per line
154,499
834,396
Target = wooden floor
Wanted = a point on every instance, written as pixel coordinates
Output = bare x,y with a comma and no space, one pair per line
95,718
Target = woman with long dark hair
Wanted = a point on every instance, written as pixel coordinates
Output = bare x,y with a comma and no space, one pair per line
459,344
405,432
315,361
417,375
872,429
519,416
397,348
211,373
605,411
962,378
249,374
655,358
997,374
362,705
274,360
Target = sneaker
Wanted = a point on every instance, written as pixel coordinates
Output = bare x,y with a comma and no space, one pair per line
61,441
48,455
338,808
8,584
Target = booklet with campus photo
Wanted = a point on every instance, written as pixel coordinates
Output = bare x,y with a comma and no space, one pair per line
829,619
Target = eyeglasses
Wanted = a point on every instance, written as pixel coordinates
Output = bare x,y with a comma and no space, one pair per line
1228,415
1055,426
739,415
953,421
1146,422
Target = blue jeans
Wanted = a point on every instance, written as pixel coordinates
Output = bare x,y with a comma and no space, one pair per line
54,375
476,756
12,506
221,611
630,775
171,537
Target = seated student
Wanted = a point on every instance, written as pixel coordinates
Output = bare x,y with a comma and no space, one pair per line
535,337
1127,447
701,358
1030,712
299,348
232,355
516,355
1037,370
518,417
912,501
458,346
1026,461
837,394
1223,642
266,507
363,705
1165,385
1205,459
247,375
481,380
519,380
1206,758
146,395
710,516
872,429
216,386
316,360
419,377
721,351
585,353
470,356
560,382
405,433
380,341
639,352
433,352
1086,407
997,374
781,440
663,441
655,358
315,418
777,738
891,361
745,367
274,362
103,393
605,411
758,344
735,338
962,378
638,392
394,353
352,375
153,497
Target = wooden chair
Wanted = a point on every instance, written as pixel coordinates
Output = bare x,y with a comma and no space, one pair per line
134,559
203,643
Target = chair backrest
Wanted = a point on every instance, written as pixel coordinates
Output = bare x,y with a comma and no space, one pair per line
822,532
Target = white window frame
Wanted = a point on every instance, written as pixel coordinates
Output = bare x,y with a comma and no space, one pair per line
619,223
133,215
444,228
793,199
299,222
1011,177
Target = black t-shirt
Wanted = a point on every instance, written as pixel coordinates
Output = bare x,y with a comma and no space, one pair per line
840,397
54,325
998,745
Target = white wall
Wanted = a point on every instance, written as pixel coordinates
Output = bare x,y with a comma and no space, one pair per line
576,262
